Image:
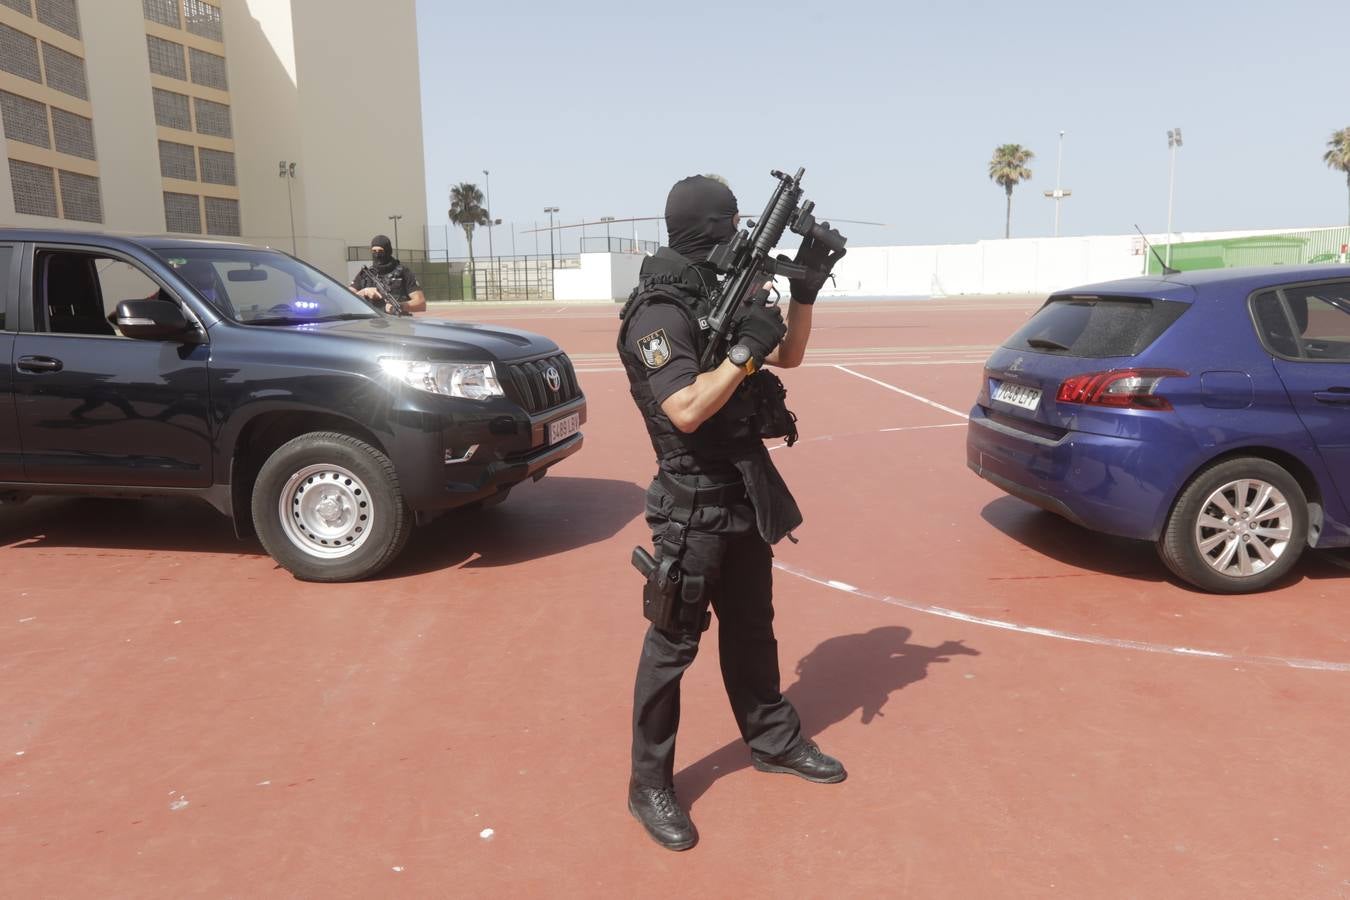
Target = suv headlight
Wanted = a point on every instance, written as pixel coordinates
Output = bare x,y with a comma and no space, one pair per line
471,381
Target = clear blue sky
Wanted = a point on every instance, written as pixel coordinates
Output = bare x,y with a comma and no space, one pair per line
894,109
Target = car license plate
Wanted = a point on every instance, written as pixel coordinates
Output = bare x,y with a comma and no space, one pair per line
1018,395
564,428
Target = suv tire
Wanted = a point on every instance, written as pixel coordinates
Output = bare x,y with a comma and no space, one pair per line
327,507
1238,527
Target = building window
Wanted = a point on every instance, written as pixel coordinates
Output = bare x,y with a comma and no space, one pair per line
217,166
171,110
65,72
34,189
165,12
177,161
19,54
203,19
23,6
25,120
212,118
166,58
222,216
208,69
61,15
182,213
80,199
74,134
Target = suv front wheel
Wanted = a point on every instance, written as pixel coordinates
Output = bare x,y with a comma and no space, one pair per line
327,507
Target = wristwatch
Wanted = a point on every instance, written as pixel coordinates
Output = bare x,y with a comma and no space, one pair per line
740,356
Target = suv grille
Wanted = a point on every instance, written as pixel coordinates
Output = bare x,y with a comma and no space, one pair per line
527,385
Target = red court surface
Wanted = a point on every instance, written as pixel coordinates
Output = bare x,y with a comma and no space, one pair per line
1025,709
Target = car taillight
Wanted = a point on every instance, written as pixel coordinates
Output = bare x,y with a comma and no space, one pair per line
1120,388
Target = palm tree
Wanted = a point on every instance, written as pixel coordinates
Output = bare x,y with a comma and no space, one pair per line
1009,168
466,211
1338,153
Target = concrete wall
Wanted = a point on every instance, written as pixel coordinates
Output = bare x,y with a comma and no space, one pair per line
601,276
331,85
351,120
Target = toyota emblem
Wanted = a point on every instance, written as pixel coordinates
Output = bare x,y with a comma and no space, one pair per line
553,379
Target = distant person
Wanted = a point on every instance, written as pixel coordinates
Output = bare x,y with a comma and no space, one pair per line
389,281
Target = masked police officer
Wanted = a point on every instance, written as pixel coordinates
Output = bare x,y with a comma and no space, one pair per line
717,502
388,280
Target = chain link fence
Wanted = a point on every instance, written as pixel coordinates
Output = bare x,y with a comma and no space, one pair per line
444,277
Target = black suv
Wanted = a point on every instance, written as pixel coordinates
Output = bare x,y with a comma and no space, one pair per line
249,379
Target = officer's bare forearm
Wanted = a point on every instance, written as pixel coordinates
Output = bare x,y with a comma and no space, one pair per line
790,353
691,406
416,302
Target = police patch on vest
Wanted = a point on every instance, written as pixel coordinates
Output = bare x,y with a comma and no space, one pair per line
655,349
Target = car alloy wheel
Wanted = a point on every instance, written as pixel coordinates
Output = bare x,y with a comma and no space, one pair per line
326,511
1244,527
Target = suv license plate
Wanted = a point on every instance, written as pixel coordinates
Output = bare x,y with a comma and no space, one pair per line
564,428
1018,395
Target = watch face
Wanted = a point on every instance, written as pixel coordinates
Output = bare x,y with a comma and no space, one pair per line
739,354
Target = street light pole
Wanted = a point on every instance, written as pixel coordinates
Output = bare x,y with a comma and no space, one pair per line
287,172
395,219
1173,142
552,261
1059,193
489,212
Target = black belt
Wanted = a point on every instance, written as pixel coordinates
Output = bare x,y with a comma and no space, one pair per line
707,495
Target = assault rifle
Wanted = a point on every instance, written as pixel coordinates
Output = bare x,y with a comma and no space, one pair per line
745,263
386,295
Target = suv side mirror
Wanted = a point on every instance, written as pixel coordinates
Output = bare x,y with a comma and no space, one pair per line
152,320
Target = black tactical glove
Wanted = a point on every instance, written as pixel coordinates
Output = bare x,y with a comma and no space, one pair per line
819,259
760,329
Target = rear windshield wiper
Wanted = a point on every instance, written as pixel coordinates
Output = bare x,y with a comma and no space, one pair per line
1045,344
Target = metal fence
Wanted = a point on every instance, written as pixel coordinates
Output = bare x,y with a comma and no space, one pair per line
443,277
1287,249
617,245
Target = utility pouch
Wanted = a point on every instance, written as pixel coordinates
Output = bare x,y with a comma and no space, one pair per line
772,418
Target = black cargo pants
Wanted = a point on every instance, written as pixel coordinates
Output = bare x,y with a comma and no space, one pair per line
723,546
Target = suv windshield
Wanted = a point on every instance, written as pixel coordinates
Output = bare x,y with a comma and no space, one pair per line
1096,327
263,287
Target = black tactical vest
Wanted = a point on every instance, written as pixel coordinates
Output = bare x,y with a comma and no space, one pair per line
733,430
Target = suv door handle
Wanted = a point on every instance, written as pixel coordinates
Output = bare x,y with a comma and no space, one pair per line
39,364
1335,395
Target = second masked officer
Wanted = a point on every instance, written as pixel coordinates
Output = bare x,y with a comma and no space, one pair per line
717,503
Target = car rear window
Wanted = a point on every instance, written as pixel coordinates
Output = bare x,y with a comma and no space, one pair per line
6,266
1096,327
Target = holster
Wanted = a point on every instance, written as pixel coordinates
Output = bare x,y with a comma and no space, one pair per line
672,599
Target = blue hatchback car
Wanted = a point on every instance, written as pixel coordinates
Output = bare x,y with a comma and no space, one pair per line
1208,412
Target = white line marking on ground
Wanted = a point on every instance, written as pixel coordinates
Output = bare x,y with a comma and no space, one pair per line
1116,643
891,387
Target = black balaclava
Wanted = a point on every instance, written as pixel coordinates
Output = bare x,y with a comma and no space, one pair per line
386,259
700,215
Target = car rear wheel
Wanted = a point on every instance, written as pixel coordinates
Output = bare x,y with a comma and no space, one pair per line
1238,527
327,507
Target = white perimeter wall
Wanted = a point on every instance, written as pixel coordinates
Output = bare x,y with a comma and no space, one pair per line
1017,266
601,276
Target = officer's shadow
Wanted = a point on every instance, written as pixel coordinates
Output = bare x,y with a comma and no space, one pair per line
846,674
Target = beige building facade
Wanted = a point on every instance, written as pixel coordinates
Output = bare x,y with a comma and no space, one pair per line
288,123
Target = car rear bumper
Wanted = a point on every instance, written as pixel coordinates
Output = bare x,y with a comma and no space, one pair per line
1104,483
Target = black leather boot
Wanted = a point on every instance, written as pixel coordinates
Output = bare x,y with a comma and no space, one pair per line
663,817
805,761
